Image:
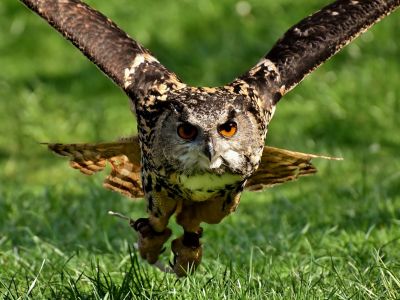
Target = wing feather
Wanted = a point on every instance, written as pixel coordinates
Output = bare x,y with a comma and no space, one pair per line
312,41
279,166
123,157
126,62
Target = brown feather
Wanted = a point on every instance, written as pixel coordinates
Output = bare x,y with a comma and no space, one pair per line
123,156
312,41
105,44
278,166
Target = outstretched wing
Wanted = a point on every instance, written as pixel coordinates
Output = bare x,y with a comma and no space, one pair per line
126,62
312,41
279,166
123,156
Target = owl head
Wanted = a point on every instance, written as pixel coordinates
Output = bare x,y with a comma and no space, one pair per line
209,130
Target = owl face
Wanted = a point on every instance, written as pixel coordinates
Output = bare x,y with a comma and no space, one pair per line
209,134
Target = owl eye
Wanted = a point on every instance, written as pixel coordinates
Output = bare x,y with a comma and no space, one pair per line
187,131
227,129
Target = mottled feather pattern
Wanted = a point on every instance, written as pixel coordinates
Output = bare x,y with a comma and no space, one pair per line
124,177
104,43
277,165
123,157
318,37
303,47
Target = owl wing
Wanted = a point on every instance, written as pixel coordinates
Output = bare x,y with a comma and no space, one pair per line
123,157
279,166
126,62
311,42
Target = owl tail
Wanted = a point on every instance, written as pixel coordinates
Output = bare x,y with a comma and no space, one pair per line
279,166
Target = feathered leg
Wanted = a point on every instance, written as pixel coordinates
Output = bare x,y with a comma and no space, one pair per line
153,231
187,248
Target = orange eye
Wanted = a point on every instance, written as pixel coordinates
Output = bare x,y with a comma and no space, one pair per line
187,131
227,129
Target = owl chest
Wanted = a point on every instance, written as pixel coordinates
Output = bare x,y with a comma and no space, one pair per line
203,187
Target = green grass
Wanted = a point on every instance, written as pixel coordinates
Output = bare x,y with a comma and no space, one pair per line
334,235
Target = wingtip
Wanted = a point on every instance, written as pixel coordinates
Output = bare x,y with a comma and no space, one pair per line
50,146
44,143
326,157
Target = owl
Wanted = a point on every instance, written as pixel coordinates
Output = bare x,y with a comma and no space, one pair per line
198,148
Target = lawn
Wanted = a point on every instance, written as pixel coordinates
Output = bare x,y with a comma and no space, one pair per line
333,235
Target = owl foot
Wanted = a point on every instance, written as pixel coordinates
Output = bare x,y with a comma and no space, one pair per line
187,253
150,242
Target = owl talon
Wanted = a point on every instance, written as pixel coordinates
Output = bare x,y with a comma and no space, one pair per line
150,242
187,253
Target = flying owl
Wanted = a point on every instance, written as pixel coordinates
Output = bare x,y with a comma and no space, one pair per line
198,148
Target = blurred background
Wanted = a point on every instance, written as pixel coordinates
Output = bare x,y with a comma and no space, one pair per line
49,92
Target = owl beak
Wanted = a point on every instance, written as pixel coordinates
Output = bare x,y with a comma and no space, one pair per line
209,150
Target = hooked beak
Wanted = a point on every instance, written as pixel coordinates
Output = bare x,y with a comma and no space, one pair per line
209,150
